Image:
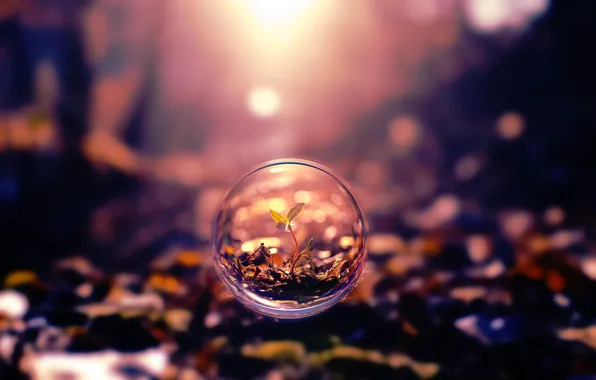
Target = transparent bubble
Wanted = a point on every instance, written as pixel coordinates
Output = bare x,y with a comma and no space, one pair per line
289,239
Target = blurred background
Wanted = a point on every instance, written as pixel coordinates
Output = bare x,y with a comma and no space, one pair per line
466,128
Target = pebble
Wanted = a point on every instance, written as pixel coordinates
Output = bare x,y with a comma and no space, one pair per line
95,366
565,239
212,320
147,301
178,319
7,345
515,223
13,304
385,244
479,248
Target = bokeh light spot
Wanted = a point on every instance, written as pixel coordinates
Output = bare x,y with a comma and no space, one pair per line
490,16
404,132
554,215
510,125
13,304
479,248
302,196
263,102
319,216
277,204
467,168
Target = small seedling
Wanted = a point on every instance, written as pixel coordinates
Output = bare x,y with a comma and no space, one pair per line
297,274
285,224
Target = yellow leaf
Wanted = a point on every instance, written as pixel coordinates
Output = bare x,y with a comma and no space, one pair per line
278,217
165,283
19,278
189,258
276,350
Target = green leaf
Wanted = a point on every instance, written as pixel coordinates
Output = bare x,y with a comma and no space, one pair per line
308,249
309,246
307,258
294,211
278,217
310,271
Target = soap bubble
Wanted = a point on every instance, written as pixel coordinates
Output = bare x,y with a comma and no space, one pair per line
289,239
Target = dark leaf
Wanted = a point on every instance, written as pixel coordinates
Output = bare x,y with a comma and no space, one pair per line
294,211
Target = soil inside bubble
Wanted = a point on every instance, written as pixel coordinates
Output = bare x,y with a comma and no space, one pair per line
300,289
280,283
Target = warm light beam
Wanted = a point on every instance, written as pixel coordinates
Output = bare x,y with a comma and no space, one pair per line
277,12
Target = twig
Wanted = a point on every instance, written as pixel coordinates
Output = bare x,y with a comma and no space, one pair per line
296,254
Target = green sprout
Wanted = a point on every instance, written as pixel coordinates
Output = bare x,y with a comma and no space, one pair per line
284,223
298,274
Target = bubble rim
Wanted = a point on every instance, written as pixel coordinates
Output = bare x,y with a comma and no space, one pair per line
309,310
